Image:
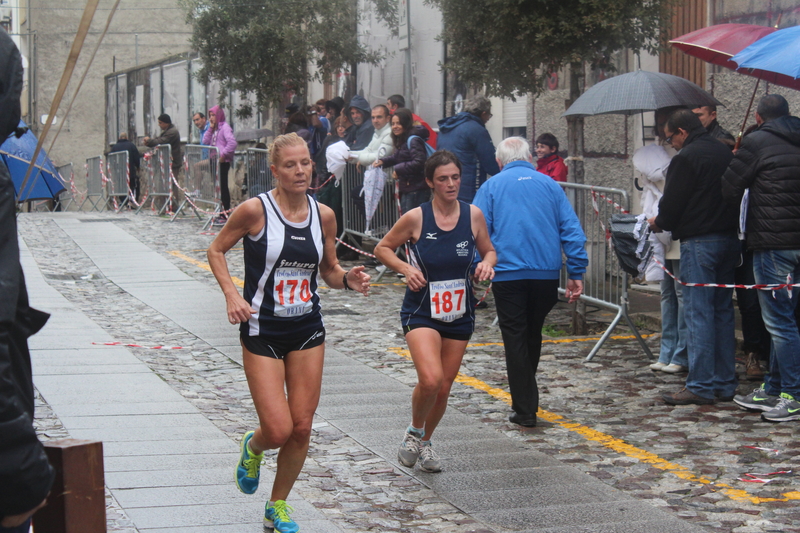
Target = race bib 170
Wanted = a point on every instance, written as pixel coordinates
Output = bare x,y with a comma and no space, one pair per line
448,299
292,291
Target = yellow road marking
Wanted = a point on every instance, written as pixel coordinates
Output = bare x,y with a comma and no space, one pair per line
205,266
613,443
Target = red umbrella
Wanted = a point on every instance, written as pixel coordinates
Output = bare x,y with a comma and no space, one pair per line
718,44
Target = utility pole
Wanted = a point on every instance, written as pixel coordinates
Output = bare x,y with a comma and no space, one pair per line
404,23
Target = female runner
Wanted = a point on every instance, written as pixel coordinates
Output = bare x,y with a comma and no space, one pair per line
438,310
288,238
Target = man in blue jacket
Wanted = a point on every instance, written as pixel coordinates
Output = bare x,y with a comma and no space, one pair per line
530,222
466,136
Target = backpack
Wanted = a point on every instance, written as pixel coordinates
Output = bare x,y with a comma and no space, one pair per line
428,149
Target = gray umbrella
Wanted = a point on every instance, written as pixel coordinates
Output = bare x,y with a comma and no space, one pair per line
639,91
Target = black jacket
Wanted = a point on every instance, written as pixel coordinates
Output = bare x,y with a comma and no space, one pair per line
409,162
768,163
721,134
25,474
692,203
133,153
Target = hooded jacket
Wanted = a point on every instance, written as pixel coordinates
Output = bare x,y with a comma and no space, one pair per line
465,135
359,137
768,163
409,162
380,146
221,136
692,204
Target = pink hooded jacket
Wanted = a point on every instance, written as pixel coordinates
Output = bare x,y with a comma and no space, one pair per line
221,136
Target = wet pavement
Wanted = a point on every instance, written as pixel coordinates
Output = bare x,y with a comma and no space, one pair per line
603,423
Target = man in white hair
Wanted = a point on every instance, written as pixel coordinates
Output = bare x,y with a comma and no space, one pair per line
530,222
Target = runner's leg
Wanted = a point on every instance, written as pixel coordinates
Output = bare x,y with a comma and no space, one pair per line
452,353
425,345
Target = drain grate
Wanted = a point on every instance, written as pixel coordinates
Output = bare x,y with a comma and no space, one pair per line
339,312
74,277
104,219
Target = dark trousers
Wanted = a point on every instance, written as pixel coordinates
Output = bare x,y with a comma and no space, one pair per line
754,333
22,528
225,194
522,306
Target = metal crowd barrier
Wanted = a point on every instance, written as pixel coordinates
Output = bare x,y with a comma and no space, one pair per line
118,185
158,171
67,176
605,284
259,175
202,180
355,219
94,182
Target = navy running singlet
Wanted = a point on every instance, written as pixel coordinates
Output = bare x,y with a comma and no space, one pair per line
445,259
280,280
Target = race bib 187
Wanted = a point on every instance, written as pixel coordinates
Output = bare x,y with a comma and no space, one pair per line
292,291
448,299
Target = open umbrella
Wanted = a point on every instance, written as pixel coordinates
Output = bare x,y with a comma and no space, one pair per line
44,182
718,44
639,91
773,58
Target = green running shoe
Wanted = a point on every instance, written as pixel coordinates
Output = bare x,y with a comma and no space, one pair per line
277,518
758,400
248,469
787,409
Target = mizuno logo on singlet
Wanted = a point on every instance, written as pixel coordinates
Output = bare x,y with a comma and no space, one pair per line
296,238
432,235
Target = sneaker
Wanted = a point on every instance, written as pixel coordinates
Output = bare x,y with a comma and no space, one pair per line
753,370
248,469
758,400
409,449
787,409
657,366
674,369
277,518
428,460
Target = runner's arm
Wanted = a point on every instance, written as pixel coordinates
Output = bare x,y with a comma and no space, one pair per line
406,229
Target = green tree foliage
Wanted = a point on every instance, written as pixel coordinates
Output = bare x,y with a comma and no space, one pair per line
510,46
268,47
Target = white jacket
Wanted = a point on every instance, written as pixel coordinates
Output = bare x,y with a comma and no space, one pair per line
381,139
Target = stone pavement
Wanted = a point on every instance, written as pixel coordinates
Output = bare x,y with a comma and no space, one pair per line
608,455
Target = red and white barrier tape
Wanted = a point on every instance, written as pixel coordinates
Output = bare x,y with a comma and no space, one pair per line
188,195
485,294
609,201
762,286
131,345
74,189
362,252
321,186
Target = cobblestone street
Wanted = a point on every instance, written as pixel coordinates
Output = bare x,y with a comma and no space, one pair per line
603,418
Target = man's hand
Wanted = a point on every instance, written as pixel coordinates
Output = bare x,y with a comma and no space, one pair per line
574,290
652,223
19,519
146,140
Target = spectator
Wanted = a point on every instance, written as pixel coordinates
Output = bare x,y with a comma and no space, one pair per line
201,123
221,135
171,136
359,111
531,224
25,474
396,101
123,144
330,192
333,108
693,210
708,118
549,162
319,107
466,136
408,160
381,143
768,163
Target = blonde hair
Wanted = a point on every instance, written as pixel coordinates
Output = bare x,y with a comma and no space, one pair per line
281,142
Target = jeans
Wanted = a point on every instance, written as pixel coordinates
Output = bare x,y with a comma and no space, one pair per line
710,339
673,323
410,200
777,309
522,306
755,335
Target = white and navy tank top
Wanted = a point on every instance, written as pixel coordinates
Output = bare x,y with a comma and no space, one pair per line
445,259
280,280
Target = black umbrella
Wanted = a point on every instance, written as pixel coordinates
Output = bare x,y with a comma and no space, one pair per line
639,91
630,235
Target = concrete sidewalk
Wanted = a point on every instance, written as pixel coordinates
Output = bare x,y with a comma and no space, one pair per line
170,467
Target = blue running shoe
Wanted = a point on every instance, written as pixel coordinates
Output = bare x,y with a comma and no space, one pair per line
248,469
277,518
